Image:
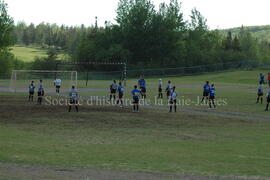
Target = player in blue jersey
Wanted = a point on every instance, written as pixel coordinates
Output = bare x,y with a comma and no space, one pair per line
73,99
173,99
168,89
40,92
212,94
142,86
113,89
260,94
136,97
262,78
160,94
31,91
120,90
206,91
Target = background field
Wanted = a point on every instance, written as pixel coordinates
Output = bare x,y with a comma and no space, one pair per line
232,140
28,53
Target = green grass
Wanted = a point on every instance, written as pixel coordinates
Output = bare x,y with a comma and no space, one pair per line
29,53
152,140
238,88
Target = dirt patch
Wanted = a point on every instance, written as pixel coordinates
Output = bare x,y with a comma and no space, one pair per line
25,172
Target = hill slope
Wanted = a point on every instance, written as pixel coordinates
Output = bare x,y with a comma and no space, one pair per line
29,53
261,32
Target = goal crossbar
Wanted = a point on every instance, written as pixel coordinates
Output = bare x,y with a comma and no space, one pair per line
45,71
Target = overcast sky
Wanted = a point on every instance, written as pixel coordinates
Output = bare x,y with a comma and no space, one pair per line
219,13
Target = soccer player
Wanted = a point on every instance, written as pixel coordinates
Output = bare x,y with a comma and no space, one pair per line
168,89
160,95
136,97
73,96
173,98
261,78
40,92
31,91
212,93
120,90
58,83
268,79
206,91
113,89
260,94
268,99
142,86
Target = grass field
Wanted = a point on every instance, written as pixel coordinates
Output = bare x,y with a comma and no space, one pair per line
28,53
194,141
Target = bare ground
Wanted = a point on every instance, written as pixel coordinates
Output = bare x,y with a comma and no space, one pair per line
25,172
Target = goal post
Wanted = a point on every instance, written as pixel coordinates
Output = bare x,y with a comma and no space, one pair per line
87,63
20,79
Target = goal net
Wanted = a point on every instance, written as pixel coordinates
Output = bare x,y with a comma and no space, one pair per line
20,80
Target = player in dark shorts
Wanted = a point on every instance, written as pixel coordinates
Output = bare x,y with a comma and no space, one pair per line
120,90
168,89
143,92
73,96
260,94
160,94
142,86
173,99
113,89
212,94
136,98
31,91
40,92
57,84
267,100
206,91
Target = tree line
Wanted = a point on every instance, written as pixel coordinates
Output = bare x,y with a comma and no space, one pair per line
50,35
147,37
143,36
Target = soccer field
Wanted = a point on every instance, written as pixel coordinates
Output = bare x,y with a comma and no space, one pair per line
231,141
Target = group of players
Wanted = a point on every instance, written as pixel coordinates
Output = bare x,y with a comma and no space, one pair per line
73,94
32,91
261,91
139,91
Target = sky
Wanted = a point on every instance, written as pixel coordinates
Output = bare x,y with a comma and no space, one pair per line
220,14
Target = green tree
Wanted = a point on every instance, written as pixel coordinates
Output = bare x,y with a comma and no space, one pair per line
134,18
6,27
236,46
46,63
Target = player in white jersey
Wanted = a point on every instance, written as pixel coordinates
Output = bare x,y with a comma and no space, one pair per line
260,94
58,83
73,97
113,90
173,99
268,99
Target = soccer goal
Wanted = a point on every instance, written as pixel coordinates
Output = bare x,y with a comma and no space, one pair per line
20,79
